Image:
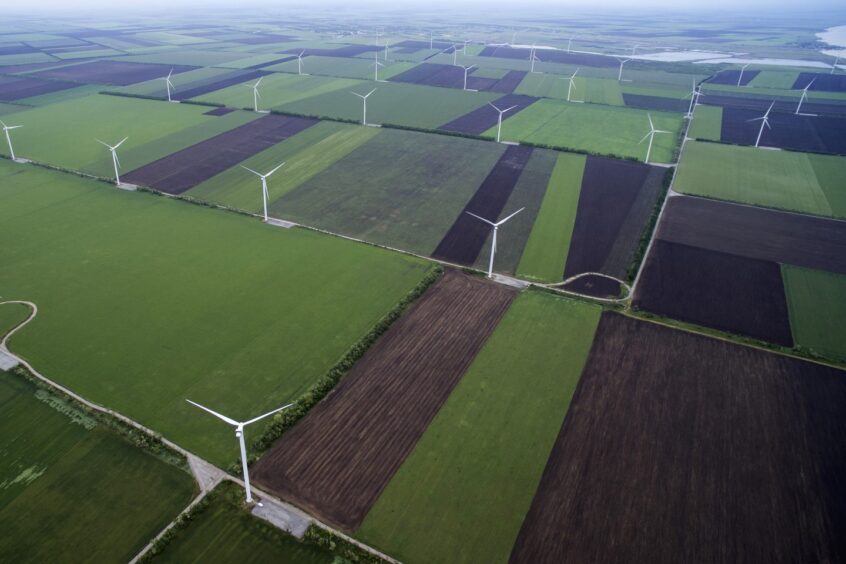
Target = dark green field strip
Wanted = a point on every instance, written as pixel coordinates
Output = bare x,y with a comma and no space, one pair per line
11,315
817,304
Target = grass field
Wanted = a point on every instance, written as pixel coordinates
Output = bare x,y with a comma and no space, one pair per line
72,490
395,103
786,180
278,89
707,123
817,304
181,81
65,134
471,478
145,301
304,155
593,90
11,315
344,67
774,79
223,531
546,251
401,188
605,130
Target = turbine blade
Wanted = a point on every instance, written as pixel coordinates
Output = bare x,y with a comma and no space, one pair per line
371,92
501,221
269,413
103,143
274,170
251,170
509,109
494,107
491,223
645,137
216,414
170,73
649,117
117,160
12,127
3,123
121,142
259,81
809,84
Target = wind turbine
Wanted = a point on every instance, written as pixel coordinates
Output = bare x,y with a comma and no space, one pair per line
572,80
168,84
264,177
300,63
466,70
499,121
834,66
454,55
764,121
620,74
740,78
651,136
239,432
6,130
364,99
569,44
495,227
256,94
431,40
533,58
115,160
386,50
803,97
695,93
634,49
464,50
376,65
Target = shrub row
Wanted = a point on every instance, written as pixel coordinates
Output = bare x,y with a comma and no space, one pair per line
341,546
649,229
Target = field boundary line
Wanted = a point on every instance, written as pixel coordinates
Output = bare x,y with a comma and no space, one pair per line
582,274
149,546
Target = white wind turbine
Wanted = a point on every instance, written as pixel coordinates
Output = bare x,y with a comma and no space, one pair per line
740,78
386,50
431,40
464,50
533,58
499,120
466,70
256,95
168,84
6,130
695,93
765,120
115,160
651,136
634,49
364,99
620,74
569,44
239,432
495,228
454,56
834,66
264,177
376,65
572,80
300,63
803,97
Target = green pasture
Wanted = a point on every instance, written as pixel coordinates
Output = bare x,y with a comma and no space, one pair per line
305,155
11,315
62,95
787,180
344,67
182,56
774,79
462,494
592,90
145,301
707,123
71,55
65,134
549,243
277,89
72,490
586,127
817,304
401,188
181,81
223,531
394,103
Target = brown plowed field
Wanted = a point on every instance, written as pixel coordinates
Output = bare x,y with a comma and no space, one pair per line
682,448
117,73
340,457
19,87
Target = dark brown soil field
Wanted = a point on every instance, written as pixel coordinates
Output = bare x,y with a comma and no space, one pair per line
583,59
412,46
507,84
655,103
18,49
815,134
262,39
115,73
731,76
822,81
480,120
760,104
184,169
449,76
340,457
736,294
682,448
467,235
12,69
751,232
18,87
273,62
615,202
234,78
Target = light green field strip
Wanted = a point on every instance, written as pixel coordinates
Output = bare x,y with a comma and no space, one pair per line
777,179
145,301
772,92
587,127
549,244
462,494
11,315
593,90
70,55
224,531
278,89
252,60
817,304
70,489
26,58
487,72
65,134
63,95
305,155
660,91
707,123
8,108
774,79
181,81
831,176
181,56
344,67
171,38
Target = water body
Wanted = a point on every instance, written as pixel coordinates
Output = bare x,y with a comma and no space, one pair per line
680,56
836,37
776,62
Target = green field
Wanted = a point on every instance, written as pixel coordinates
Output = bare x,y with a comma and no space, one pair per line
774,79
65,134
73,490
401,188
462,494
224,532
344,67
546,251
304,155
182,81
707,123
395,103
11,315
817,304
593,90
145,301
786,180
277,89
587,127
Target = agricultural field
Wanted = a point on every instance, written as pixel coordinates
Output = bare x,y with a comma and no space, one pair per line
98,257
817,302
471,477
71,485
278,89
343,67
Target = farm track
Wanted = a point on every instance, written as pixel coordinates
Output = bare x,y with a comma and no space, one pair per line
340,457
737,457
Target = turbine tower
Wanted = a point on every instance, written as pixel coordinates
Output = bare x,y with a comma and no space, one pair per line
239,432
533,58
620,74
572,80
364,99
454,56
264,177
466,70
499,120
6,130
168,84
376,65
804,96
695,93
834,66
651,136
765,120
740,78
115,160
431,40
495,228
634,49
256,94
569,44
300,63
